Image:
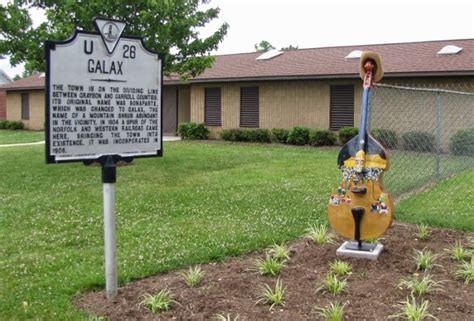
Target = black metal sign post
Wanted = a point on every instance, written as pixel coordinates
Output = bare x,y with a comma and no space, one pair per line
103,105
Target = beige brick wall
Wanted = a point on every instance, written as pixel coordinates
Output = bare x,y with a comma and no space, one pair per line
184,104
36,121
3,104
283,104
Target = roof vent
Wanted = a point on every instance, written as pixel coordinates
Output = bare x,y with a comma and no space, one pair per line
450,50
269,54
42,75
354,54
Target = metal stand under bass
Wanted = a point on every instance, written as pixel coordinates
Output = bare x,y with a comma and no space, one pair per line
359,209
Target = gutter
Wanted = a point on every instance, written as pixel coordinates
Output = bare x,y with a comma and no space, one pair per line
318,77
21,88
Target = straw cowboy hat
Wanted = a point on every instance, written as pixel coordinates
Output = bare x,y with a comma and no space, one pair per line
378,70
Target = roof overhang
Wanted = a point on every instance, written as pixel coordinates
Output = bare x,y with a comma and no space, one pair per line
22,88
317,77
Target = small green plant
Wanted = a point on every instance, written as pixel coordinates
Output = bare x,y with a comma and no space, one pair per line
335,312
423,232
279,252
332,284
158,302
466,271
271,296
419,287
470,242
340,268
270,266
424,259
459,253
319,234
412,311
227,317
193,276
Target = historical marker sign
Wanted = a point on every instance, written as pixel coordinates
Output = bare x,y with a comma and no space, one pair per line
103,103
103,96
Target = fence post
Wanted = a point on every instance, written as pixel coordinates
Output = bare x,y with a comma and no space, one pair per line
438,134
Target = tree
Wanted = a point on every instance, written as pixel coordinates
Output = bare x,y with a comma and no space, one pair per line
24,74
168,26
263,46
290,47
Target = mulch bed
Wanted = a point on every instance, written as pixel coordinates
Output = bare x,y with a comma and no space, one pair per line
232,286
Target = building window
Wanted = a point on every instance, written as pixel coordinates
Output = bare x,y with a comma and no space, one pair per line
212,106
25,106
341,107
249,107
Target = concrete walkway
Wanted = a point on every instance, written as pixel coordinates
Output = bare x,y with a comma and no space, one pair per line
22,144
165,139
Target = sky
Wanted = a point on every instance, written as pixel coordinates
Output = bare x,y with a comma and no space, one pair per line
323,23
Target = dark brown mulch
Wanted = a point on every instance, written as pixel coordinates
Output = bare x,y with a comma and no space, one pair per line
233,286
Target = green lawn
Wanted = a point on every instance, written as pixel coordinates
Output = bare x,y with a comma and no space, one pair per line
447,204
200,202
20,136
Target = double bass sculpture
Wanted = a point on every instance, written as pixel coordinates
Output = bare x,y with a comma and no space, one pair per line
360,210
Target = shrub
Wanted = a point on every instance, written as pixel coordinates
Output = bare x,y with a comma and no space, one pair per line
11,124
418,141
246,135
319,137
462,143
193,131
388,138
298,136
183,130
16,125
347,133
232,135
279,135
259,135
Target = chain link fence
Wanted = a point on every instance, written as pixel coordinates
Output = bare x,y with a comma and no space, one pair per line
429,133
